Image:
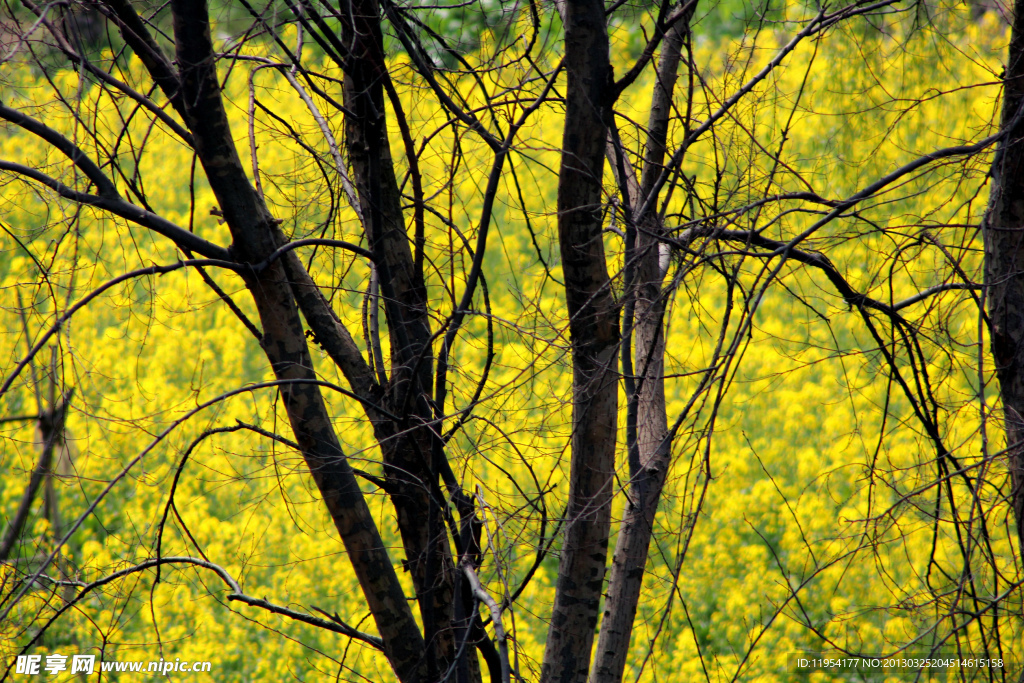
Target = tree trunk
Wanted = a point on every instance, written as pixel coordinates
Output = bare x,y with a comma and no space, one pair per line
408,448
1003,230
593,329
651,429
255,236
51,429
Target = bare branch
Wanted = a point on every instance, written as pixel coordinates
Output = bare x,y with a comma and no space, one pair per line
184,239
496,610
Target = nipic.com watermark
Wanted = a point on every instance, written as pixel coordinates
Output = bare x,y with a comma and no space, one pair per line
29,665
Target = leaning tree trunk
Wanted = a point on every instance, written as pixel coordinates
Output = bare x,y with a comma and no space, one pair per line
1003,229
593,329
255,236
51,429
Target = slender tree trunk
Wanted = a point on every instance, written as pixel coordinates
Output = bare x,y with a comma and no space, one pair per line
594,335
408,449
1003,229
51,428
255,236
653,445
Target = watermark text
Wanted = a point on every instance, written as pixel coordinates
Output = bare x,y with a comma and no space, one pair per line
88,664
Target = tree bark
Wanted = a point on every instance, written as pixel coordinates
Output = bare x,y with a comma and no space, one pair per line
255,236
408,449
652,435
1003,230
593,329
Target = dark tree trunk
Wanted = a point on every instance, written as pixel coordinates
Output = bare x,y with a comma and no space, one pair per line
255,236
1003,228
409,448
652,447
594,335
51,429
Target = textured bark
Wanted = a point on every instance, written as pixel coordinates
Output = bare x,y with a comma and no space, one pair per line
593,331
255,237
653,445
1003,229
407,448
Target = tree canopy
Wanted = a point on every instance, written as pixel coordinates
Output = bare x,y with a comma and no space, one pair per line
503,341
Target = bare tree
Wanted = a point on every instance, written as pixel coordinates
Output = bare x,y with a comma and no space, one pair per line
1003,273
640,236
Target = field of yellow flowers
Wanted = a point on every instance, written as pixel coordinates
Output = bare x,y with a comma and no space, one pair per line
791,508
